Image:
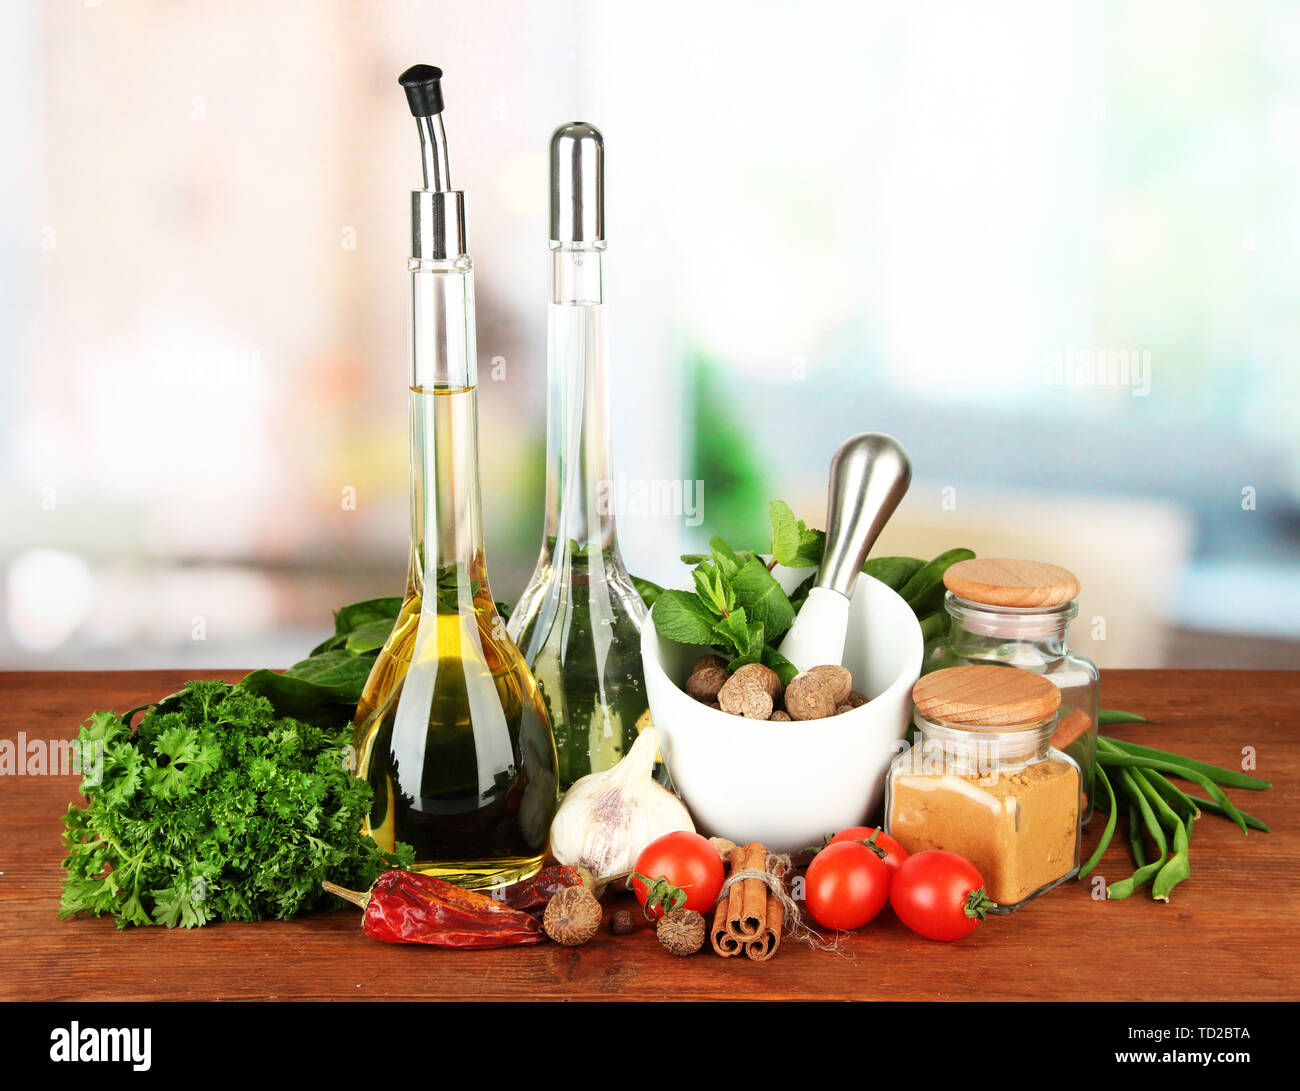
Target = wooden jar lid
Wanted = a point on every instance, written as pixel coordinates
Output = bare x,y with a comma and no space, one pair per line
1004,581
986,696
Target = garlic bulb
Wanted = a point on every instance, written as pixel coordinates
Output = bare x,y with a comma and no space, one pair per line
606,819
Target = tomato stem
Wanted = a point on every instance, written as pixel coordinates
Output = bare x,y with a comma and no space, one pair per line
978,903
659,894
870,842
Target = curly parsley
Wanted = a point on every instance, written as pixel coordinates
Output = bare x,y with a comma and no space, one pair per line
214,809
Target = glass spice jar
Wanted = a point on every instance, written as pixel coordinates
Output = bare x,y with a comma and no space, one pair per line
1016,613
983,780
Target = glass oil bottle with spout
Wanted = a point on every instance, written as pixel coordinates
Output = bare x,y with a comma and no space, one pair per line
579,620
451,732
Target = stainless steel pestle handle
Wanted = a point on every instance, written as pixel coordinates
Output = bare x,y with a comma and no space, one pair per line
870,474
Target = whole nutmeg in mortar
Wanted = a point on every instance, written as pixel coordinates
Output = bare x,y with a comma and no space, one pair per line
707,677
681,932
809,696
838,678
572,917
751,691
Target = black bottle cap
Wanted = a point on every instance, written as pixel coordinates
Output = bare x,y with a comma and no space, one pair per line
423,91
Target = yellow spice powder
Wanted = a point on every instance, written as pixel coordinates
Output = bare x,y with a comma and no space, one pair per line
1020,828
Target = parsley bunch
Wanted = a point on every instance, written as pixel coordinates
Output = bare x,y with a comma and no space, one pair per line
214,809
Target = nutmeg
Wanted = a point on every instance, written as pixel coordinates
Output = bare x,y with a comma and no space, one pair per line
838,678
572,916
809,696
751,691
707,677
781,716
681,932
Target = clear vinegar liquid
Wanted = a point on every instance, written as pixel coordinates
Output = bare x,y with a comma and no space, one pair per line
589,671
451,732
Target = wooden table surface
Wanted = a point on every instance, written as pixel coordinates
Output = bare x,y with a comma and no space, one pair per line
1232,931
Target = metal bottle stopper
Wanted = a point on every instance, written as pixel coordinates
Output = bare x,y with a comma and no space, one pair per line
437,210
577,184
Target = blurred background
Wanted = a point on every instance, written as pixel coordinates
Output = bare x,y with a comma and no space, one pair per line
1050,247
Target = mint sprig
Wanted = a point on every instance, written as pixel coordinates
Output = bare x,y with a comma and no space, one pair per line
740,610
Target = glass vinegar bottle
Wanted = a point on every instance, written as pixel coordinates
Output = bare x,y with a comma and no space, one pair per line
579,620
451,731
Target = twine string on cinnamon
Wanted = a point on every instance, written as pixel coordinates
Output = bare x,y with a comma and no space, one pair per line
788,919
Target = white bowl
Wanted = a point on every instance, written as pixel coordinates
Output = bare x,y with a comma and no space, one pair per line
789,784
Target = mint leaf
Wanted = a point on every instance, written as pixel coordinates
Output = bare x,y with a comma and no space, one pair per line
757,590
724,557
715,592
785,670
744,638
793,544
679,616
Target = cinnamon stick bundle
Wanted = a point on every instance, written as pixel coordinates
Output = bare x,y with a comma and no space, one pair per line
750,918
764,946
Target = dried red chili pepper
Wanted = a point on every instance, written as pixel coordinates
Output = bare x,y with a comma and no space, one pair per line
407,907
534,893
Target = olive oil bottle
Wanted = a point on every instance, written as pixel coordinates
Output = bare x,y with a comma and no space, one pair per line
451,733
579,620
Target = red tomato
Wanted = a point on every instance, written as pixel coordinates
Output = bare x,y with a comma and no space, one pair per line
939,895
846,886
895,854
685,860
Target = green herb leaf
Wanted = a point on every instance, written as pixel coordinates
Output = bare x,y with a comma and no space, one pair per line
648,591
924,591
368,637
680,616
215,809
757,590
354,615
893,572
785,670
724,557
793,544
715,592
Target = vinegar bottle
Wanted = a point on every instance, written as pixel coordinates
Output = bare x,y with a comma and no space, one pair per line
451,732
579,620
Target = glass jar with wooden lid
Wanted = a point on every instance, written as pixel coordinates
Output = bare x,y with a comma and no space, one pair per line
984,781
1016,613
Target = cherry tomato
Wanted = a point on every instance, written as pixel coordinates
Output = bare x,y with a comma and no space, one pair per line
846,886
939,895
895,854
684,860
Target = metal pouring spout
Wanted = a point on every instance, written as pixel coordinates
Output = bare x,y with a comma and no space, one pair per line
437,210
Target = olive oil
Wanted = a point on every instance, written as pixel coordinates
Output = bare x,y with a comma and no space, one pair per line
451,732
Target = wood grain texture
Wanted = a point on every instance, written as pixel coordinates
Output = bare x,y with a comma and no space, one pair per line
1232,931
980,695
1005,581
